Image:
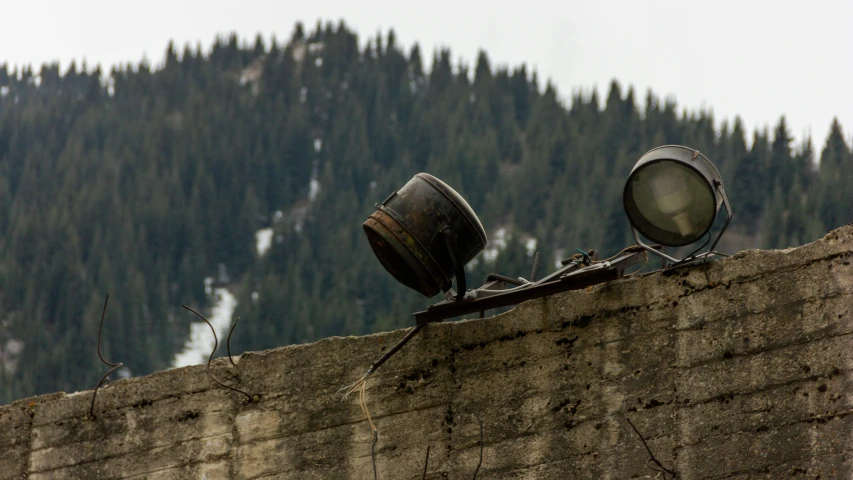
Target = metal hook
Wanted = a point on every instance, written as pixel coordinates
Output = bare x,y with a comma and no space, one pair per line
210,358
115,366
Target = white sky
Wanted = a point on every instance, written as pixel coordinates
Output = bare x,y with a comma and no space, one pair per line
756,59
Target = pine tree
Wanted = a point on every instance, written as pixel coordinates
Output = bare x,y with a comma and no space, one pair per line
836,204
773,224
749,183
781,166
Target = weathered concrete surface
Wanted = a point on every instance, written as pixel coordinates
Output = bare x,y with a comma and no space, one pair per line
738,369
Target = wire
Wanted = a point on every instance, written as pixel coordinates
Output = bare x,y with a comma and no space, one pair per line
373,452
694,251
658,467
210,358
228,342
395,348
504,278
480,463
618,254
115,366
645,261
426,462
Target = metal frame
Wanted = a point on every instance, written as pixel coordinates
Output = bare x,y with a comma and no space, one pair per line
494,292
694,159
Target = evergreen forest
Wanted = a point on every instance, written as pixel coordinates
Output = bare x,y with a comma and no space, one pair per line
140,182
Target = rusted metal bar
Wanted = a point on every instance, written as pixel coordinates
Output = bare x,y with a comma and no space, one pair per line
571,277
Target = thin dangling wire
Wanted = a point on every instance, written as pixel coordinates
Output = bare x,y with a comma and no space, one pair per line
210,358
360,384
115,366
228,342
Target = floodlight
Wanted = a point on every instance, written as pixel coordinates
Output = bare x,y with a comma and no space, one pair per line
424,234
672,197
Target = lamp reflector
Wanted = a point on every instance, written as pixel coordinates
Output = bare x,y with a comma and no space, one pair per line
671,201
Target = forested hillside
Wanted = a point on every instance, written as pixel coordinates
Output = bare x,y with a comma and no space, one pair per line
143,184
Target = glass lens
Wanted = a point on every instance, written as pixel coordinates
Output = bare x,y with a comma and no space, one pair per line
670,203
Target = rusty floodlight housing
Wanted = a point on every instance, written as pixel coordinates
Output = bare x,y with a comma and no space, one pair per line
672,197
424,234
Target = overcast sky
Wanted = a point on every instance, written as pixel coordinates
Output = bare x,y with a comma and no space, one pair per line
756,59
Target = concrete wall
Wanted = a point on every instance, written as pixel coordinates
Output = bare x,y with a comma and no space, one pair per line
738,369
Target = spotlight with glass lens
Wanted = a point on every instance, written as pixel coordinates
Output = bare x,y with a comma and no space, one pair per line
672,197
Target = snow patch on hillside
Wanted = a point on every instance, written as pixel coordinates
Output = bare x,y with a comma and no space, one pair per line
530,246
495,245
313,189
263,240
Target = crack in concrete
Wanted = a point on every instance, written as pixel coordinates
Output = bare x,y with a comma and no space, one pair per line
128,453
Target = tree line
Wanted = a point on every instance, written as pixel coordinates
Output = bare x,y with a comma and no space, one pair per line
140,182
